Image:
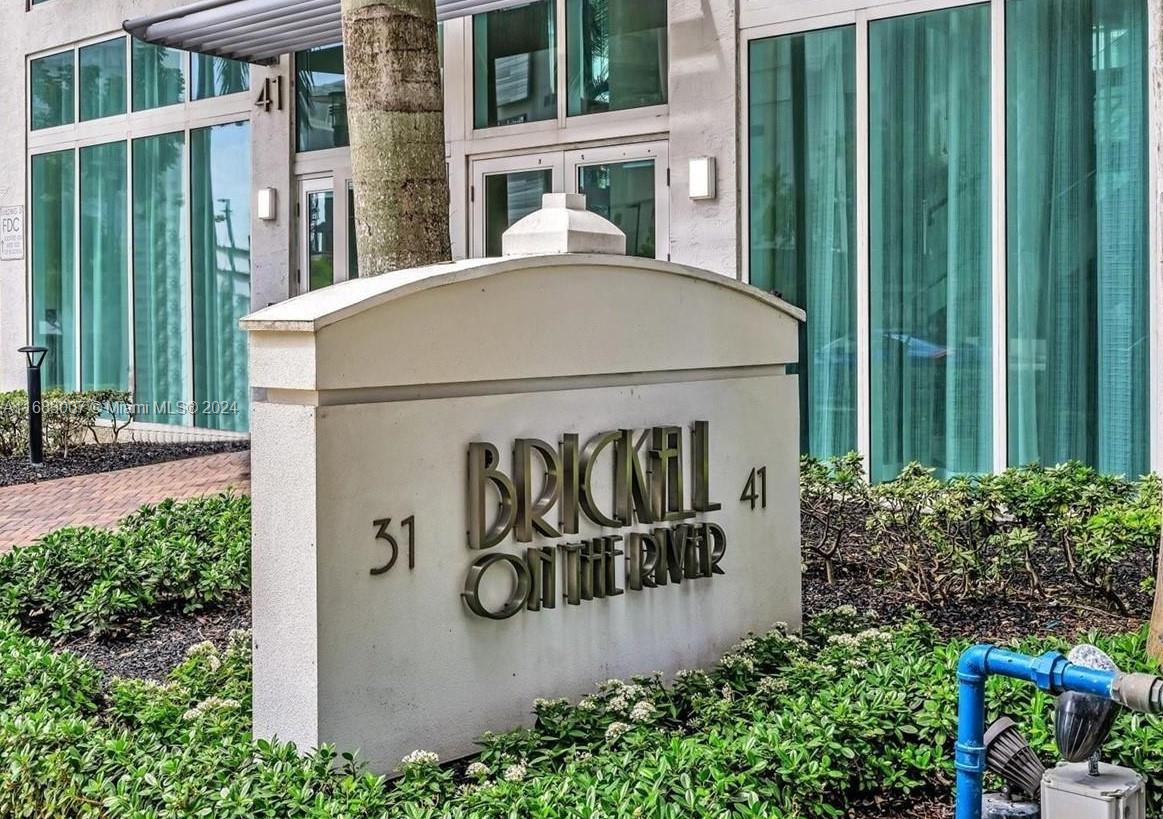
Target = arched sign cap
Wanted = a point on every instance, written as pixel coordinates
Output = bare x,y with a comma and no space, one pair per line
515,319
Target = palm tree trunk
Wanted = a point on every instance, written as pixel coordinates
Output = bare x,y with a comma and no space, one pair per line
395,113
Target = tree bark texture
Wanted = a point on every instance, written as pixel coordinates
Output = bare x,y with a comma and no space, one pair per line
395,113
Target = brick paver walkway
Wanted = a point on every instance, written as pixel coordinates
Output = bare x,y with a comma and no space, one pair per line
30,510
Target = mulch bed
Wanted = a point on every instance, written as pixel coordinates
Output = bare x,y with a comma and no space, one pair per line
152,653
94,458
923,807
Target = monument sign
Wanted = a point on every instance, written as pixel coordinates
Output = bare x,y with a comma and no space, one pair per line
480,483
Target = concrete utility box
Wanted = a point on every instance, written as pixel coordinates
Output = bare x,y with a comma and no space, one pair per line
1070,792
480,483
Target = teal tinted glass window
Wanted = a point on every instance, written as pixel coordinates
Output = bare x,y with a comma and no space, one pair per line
320,99
160,275
217,76
158,76
930,245
623,192
515,65
220,232
616,53
104,265
103,80
802,148
53,208
1077,228
51,85
510,197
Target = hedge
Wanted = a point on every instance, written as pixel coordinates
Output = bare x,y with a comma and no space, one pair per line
173,556
70,419
782,726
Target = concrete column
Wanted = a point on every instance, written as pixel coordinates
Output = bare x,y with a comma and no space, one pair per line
704,120
272,243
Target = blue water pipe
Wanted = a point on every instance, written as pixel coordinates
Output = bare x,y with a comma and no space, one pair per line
1052,673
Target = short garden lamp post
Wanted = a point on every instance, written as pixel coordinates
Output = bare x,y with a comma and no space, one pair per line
34,357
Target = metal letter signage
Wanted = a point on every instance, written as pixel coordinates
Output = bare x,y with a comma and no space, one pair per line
11,233
648,468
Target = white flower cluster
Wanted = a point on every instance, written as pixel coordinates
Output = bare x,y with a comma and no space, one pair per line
515,773
871,635
689,674
418,758
588,703
738,662
541,704
198,649
616,730
477,770
211,704
642,711
772,685
846,610
743,646
727,693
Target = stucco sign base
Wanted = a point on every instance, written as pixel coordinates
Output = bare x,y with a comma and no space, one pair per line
387,660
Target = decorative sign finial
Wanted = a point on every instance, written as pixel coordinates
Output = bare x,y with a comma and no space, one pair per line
563,225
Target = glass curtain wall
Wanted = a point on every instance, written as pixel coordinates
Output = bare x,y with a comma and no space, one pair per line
102,76
515,65
617,54
160,277
930,248
51,83
104,266
158,78
803,214
1077,210
623,192
53,265
217,76
220,230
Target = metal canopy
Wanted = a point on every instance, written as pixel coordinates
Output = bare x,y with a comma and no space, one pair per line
258,31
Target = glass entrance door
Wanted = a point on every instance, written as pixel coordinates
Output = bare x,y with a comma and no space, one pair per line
507,190
627,184
317,256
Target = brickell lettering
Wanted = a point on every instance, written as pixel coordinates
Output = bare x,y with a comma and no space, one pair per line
648,491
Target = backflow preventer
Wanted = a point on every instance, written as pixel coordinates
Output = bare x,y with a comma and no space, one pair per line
1090,689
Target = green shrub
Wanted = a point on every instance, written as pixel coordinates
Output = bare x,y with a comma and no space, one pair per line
183,555
70,419
1065,533
783,726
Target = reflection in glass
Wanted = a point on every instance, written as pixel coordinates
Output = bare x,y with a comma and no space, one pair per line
220,231
53,265
352,247
1078,289
510,197
157,76
160,278
930,250
51,81
217,76
320,99
803,215
104,267
320,239
515,65
102,68
616,54
623,192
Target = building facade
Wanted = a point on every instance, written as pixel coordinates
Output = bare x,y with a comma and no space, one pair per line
964,196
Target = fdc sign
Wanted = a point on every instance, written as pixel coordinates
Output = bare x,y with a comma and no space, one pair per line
485,482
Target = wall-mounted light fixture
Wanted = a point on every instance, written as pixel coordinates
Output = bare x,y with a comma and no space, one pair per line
268,204
702,178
